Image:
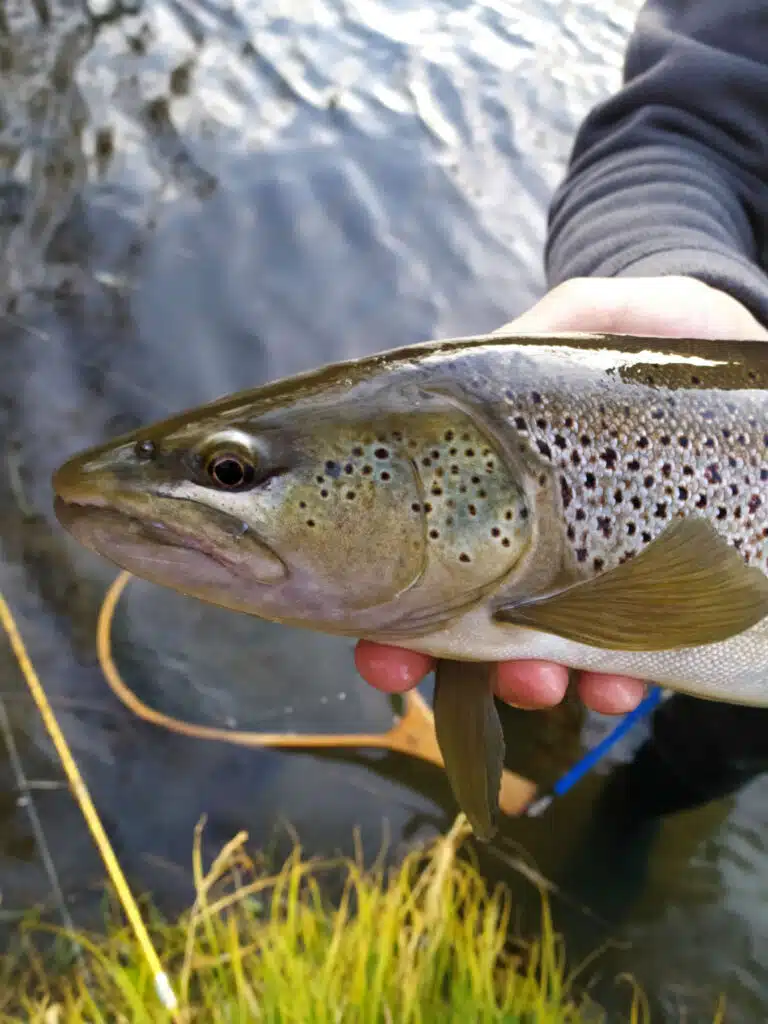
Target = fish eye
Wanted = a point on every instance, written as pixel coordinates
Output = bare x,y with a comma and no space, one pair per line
145,449
230,470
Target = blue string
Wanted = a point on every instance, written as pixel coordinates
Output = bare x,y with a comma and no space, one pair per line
590,759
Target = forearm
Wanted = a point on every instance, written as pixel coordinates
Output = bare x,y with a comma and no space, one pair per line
668,176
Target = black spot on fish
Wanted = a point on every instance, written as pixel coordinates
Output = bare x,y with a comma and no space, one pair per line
754,503
566,492
381,453
712,474
590,480
609,457
544,448
333,469
581,554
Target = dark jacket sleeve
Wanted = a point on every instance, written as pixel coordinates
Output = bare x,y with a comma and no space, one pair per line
670,175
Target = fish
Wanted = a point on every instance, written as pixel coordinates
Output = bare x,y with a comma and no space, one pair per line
596,500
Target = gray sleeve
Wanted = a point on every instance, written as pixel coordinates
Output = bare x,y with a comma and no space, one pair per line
670,175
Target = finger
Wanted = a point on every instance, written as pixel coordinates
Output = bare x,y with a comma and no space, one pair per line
661,306
610,695
391,669
531,684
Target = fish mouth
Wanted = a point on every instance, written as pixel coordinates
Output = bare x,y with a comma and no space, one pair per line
79,518
170,554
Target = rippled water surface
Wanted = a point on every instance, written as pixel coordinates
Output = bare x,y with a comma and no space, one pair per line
198,197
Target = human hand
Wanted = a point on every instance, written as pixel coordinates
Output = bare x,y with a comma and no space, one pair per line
665,307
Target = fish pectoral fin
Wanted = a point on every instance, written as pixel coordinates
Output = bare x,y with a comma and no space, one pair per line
687,588
471,740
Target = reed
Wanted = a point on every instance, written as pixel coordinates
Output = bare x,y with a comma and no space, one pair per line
421,942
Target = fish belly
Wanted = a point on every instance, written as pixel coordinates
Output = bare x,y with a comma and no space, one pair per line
735,670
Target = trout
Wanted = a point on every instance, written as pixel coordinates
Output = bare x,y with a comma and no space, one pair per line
595,500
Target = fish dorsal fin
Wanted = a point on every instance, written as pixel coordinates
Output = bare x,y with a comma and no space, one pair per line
687,588
471,740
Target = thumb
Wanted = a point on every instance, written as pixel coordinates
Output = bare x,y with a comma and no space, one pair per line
661,306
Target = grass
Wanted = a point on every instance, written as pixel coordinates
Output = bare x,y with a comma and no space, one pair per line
423,942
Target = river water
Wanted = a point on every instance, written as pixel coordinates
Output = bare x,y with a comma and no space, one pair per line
196,197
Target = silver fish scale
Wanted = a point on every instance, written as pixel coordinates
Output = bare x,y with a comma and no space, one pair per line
626,470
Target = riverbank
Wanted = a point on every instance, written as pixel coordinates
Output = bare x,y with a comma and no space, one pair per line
424,941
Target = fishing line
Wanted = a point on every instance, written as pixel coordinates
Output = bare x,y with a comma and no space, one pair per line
23,786
590,759
413,733
83,797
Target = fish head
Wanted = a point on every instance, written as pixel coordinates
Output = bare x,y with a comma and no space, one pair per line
348,510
